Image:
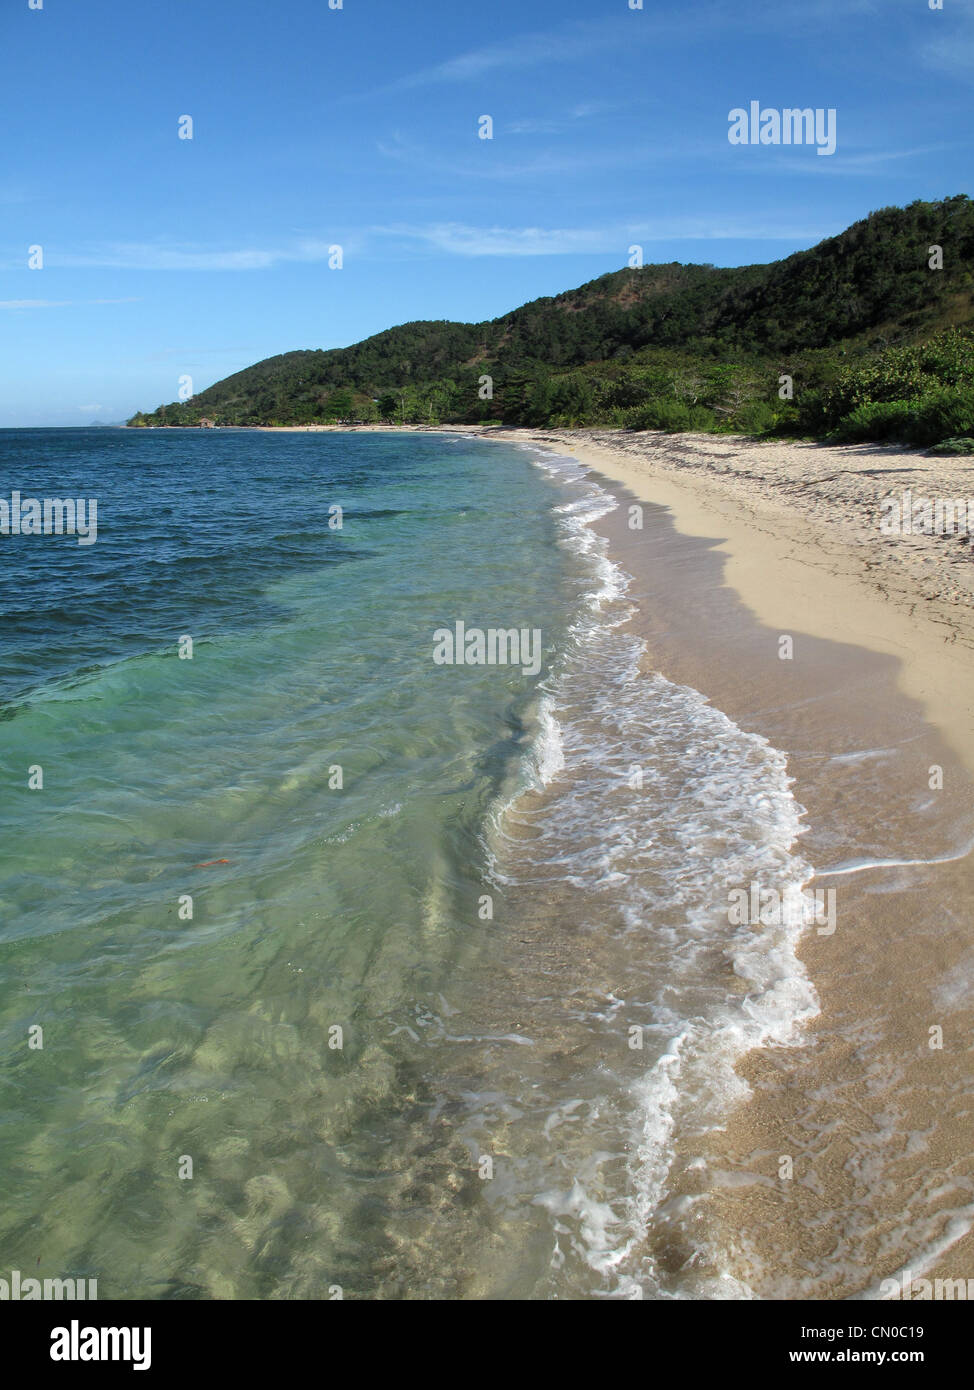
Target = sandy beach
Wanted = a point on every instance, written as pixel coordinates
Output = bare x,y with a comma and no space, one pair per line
870,1114
799,526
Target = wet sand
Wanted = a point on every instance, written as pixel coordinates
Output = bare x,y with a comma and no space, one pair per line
874,1120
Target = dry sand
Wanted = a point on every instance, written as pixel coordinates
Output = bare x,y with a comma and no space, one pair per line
800,526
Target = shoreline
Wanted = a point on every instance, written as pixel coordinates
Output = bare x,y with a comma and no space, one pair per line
750,542
878,692
780,506
807,559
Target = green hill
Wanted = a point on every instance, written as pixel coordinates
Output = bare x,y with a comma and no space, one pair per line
665,346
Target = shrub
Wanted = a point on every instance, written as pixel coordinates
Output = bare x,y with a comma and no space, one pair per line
755,417
954,446
702,420
673,416
787,418
814,415
946,413
878,420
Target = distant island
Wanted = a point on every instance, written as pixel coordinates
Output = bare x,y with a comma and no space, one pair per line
867,336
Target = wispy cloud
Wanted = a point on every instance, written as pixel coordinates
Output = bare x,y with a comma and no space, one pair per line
460,239
576,42
876,162
178,256
147,256
654,25
566,45
562,123
483,161
184,256
451,238
532,125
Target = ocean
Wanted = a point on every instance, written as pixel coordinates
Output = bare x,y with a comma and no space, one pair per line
332,969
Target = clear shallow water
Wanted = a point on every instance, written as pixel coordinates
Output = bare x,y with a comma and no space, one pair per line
359,907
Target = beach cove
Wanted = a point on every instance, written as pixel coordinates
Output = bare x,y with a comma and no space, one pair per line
639,972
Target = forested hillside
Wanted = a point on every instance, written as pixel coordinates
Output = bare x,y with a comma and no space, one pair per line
867,335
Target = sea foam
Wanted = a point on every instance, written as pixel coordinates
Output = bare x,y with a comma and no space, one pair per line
654,804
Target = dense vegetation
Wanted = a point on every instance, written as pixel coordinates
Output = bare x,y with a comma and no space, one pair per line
861,337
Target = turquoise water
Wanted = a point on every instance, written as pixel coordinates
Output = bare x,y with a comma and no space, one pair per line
312,651
337,951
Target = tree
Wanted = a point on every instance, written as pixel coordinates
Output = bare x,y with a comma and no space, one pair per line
340,405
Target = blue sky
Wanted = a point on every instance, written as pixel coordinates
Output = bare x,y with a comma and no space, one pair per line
359,127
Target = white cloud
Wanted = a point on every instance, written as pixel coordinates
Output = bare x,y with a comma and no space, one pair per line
447,237
535,126
783,161
131,255
460,239
533,50
183,256
146,256
652,25
558,125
